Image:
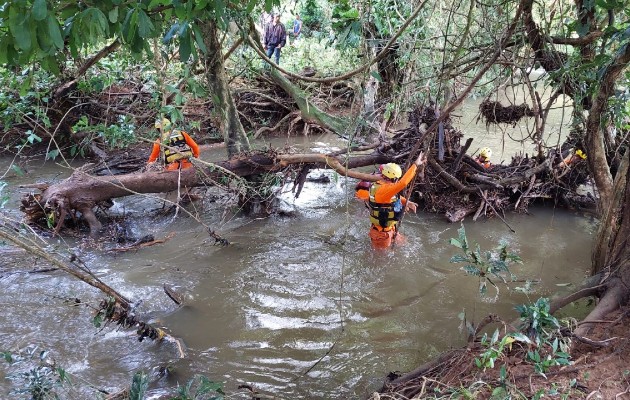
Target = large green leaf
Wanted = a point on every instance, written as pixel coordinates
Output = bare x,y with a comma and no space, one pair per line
250,6
185,46
97,22
130,26
113,15
145,25
54,31
199,39
43,39
39,10
19,27
51,64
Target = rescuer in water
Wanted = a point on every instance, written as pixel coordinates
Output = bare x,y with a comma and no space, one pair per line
385,203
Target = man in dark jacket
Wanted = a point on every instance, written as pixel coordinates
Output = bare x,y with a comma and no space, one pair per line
275,38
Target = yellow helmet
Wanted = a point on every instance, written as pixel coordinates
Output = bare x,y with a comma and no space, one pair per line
164,123
485,153
391,170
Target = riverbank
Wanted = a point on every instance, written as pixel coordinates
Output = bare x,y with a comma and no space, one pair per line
599,369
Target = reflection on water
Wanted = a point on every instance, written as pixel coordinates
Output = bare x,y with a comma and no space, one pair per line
297,306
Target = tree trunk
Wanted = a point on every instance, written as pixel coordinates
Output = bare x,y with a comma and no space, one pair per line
614,229
612,250
82,192
233,133
310,113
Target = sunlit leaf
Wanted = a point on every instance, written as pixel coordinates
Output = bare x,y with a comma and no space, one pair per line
113,15
455,243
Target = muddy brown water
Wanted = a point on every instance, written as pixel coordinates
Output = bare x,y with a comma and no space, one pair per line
297,307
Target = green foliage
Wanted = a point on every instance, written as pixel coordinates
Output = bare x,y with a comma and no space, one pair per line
200,388
319,54
542,328
495,348
553,358
37,377
345,21
105,312
41,31
118,135
485,264
312,15
139,385
536,319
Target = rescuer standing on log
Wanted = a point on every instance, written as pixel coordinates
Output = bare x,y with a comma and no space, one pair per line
179,147
386,204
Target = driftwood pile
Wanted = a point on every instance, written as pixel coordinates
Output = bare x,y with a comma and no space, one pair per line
458,186
495,113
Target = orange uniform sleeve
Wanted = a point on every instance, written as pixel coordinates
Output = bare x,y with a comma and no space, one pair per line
362,194
193,145
155,152
388,190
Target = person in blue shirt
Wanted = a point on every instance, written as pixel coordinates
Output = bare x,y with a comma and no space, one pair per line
297,28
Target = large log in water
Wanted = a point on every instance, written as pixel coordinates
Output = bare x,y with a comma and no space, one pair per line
81,192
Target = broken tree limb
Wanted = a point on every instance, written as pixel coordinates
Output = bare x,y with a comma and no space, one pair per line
12,235
310,112
463,151
118,308
451,179
64,88
325,161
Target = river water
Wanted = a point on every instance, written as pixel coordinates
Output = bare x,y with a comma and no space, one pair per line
297,306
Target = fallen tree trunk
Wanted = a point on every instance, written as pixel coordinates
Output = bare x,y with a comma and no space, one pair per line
82,192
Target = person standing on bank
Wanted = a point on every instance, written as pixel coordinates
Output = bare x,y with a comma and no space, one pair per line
275,38
297,28
386,204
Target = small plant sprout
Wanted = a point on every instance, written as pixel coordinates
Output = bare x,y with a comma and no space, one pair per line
486,265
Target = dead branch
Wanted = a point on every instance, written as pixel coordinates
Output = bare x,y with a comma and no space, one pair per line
63,89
